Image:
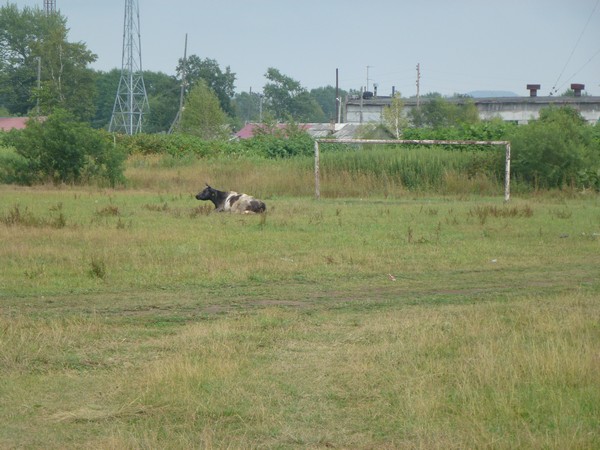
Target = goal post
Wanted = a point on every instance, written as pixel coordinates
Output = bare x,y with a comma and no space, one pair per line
506,145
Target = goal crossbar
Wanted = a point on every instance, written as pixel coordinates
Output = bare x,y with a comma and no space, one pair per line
506,145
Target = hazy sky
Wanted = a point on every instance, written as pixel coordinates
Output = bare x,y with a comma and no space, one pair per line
461,45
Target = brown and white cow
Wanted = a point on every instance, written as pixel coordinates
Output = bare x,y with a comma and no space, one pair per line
231,201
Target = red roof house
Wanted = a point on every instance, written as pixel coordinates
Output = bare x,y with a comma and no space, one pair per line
10,123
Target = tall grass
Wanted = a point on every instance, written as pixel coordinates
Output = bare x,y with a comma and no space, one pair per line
258,176
395,169
365,172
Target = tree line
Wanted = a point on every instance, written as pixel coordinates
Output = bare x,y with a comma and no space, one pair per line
43,74
40,71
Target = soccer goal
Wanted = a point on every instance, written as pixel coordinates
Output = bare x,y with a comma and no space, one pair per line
506,145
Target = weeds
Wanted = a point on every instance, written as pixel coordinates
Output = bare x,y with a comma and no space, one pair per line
561,213
97,268
483,212
18,216
201,210
158,208
108,211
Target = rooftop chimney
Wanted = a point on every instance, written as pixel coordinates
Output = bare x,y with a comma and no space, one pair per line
577,88
533,88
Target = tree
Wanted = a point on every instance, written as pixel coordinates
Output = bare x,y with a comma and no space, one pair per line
286,99
65,150
247,107
393,116
17,65
221,83
163,95
556,150
325,97
107,84
437,112
32,37
202,115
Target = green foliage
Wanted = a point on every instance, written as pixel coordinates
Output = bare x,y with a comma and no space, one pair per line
163,97
247,108
106,85
17,65
393,116
203,116
414,167
557,150
176,145
492,130
325,97
66,81
286,98
438,112
275,142
14,168
222,83
29,37
63,150
269,142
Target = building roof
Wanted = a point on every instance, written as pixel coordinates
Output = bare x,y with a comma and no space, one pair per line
10,123
250,129
550,100
315,130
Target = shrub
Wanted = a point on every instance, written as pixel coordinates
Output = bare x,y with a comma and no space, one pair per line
272,141
177,144
556,150
14,168
63,150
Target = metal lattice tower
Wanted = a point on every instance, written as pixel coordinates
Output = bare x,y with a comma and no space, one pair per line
131,102
50,6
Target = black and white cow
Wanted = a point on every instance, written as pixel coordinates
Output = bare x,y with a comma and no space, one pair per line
232,201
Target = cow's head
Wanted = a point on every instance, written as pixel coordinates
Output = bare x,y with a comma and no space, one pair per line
207,194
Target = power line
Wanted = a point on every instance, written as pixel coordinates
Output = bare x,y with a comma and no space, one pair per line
554,89
580,69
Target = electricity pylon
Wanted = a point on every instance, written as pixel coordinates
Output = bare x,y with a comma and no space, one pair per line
50,6
131,102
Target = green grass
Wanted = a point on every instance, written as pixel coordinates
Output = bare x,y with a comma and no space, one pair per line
136,318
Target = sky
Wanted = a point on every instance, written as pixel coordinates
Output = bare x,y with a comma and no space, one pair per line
460,45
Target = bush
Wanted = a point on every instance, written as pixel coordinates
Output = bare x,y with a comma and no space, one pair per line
271,141
556,150
63,150
14,168
177,144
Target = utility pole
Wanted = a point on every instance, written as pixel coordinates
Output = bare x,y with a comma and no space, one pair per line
182,93
418,84
337,94
39,84
131,102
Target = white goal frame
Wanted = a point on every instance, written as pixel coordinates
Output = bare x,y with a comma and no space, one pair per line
506,145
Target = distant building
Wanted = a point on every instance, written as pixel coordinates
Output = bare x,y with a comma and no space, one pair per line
315,130
510,109
11,123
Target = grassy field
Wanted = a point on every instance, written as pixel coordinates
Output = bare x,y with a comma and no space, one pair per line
136,318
